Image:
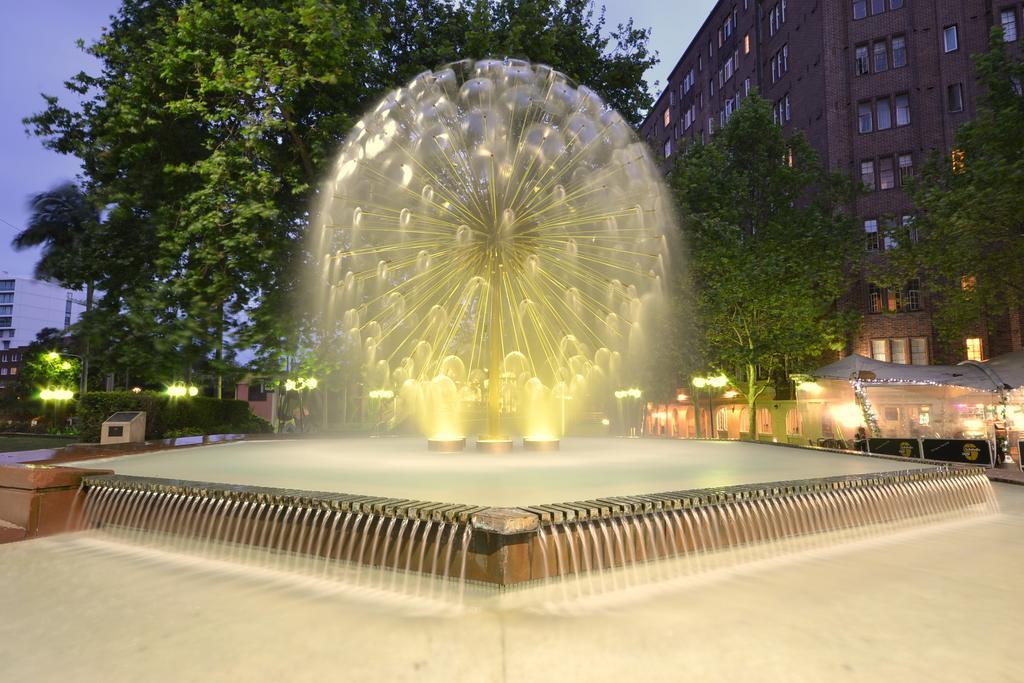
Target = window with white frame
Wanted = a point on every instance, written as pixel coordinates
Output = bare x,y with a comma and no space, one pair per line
871,231
950,39
1008,20
867,174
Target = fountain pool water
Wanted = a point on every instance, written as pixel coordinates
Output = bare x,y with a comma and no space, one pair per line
585,468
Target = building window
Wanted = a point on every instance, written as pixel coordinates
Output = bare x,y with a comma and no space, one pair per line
6,310
746,44
909,228
877,6
861,65
871,230
881,50
6,285
899,52
974,349
874,299
903,110
6,298
860,9
668,148
14,371
958,158
906,164
5,322
867,174
912,296
955,97
864,117
886,174
883,113
919,351
880,349
794,422
1008,18
898,351
667,118
950,40
895,4
764,421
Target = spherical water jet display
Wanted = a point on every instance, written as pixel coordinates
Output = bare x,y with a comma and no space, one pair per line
493,240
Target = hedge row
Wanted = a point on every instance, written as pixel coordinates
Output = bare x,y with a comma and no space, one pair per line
200,415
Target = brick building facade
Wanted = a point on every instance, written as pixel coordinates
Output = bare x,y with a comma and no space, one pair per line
876,86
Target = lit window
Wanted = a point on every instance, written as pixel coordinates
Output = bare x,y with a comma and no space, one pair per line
794,422
867,174
880,349
764,421
746,44
919,350
898,348
955,97
973,347
14,371
899,52
958,159
950,40
874,299
668,118
1008,18
968,283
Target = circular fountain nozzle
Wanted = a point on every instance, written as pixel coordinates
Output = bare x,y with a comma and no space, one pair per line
541,445
447,444
494,444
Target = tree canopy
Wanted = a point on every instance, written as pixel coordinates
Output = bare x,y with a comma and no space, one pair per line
772,251
207,127
973,199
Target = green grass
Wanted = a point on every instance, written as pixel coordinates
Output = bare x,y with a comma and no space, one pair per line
31,443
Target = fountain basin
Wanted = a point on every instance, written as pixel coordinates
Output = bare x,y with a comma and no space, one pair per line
508,546
541,445
446,445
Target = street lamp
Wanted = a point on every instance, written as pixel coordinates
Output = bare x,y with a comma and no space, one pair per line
714,382
54,357
180,390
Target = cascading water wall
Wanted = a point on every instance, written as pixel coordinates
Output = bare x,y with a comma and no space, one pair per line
493,240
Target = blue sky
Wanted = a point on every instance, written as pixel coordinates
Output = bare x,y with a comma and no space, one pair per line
38,53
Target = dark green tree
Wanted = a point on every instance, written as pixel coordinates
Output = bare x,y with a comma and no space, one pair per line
970,229
771,250
208,126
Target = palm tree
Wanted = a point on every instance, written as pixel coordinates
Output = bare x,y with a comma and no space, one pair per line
65,223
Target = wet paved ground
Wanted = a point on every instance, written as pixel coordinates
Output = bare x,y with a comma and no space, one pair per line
937,603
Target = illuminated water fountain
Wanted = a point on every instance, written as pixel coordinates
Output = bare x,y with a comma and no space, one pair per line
493,238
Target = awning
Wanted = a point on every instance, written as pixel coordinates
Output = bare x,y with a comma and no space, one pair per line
978,376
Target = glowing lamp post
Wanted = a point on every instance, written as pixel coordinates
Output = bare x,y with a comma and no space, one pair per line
181,390
710,383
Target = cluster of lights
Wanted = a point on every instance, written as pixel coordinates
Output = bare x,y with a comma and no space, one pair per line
181,391
301,383
382,393
716,382
628,393
56,394
53,357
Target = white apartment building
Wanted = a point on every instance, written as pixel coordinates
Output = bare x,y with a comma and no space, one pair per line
27,306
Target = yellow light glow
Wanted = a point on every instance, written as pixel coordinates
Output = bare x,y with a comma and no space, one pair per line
700,382
681,397
193,391
177,390
732,393
52,355
848,415
810,387
56,394
605,421
289,385
718,381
